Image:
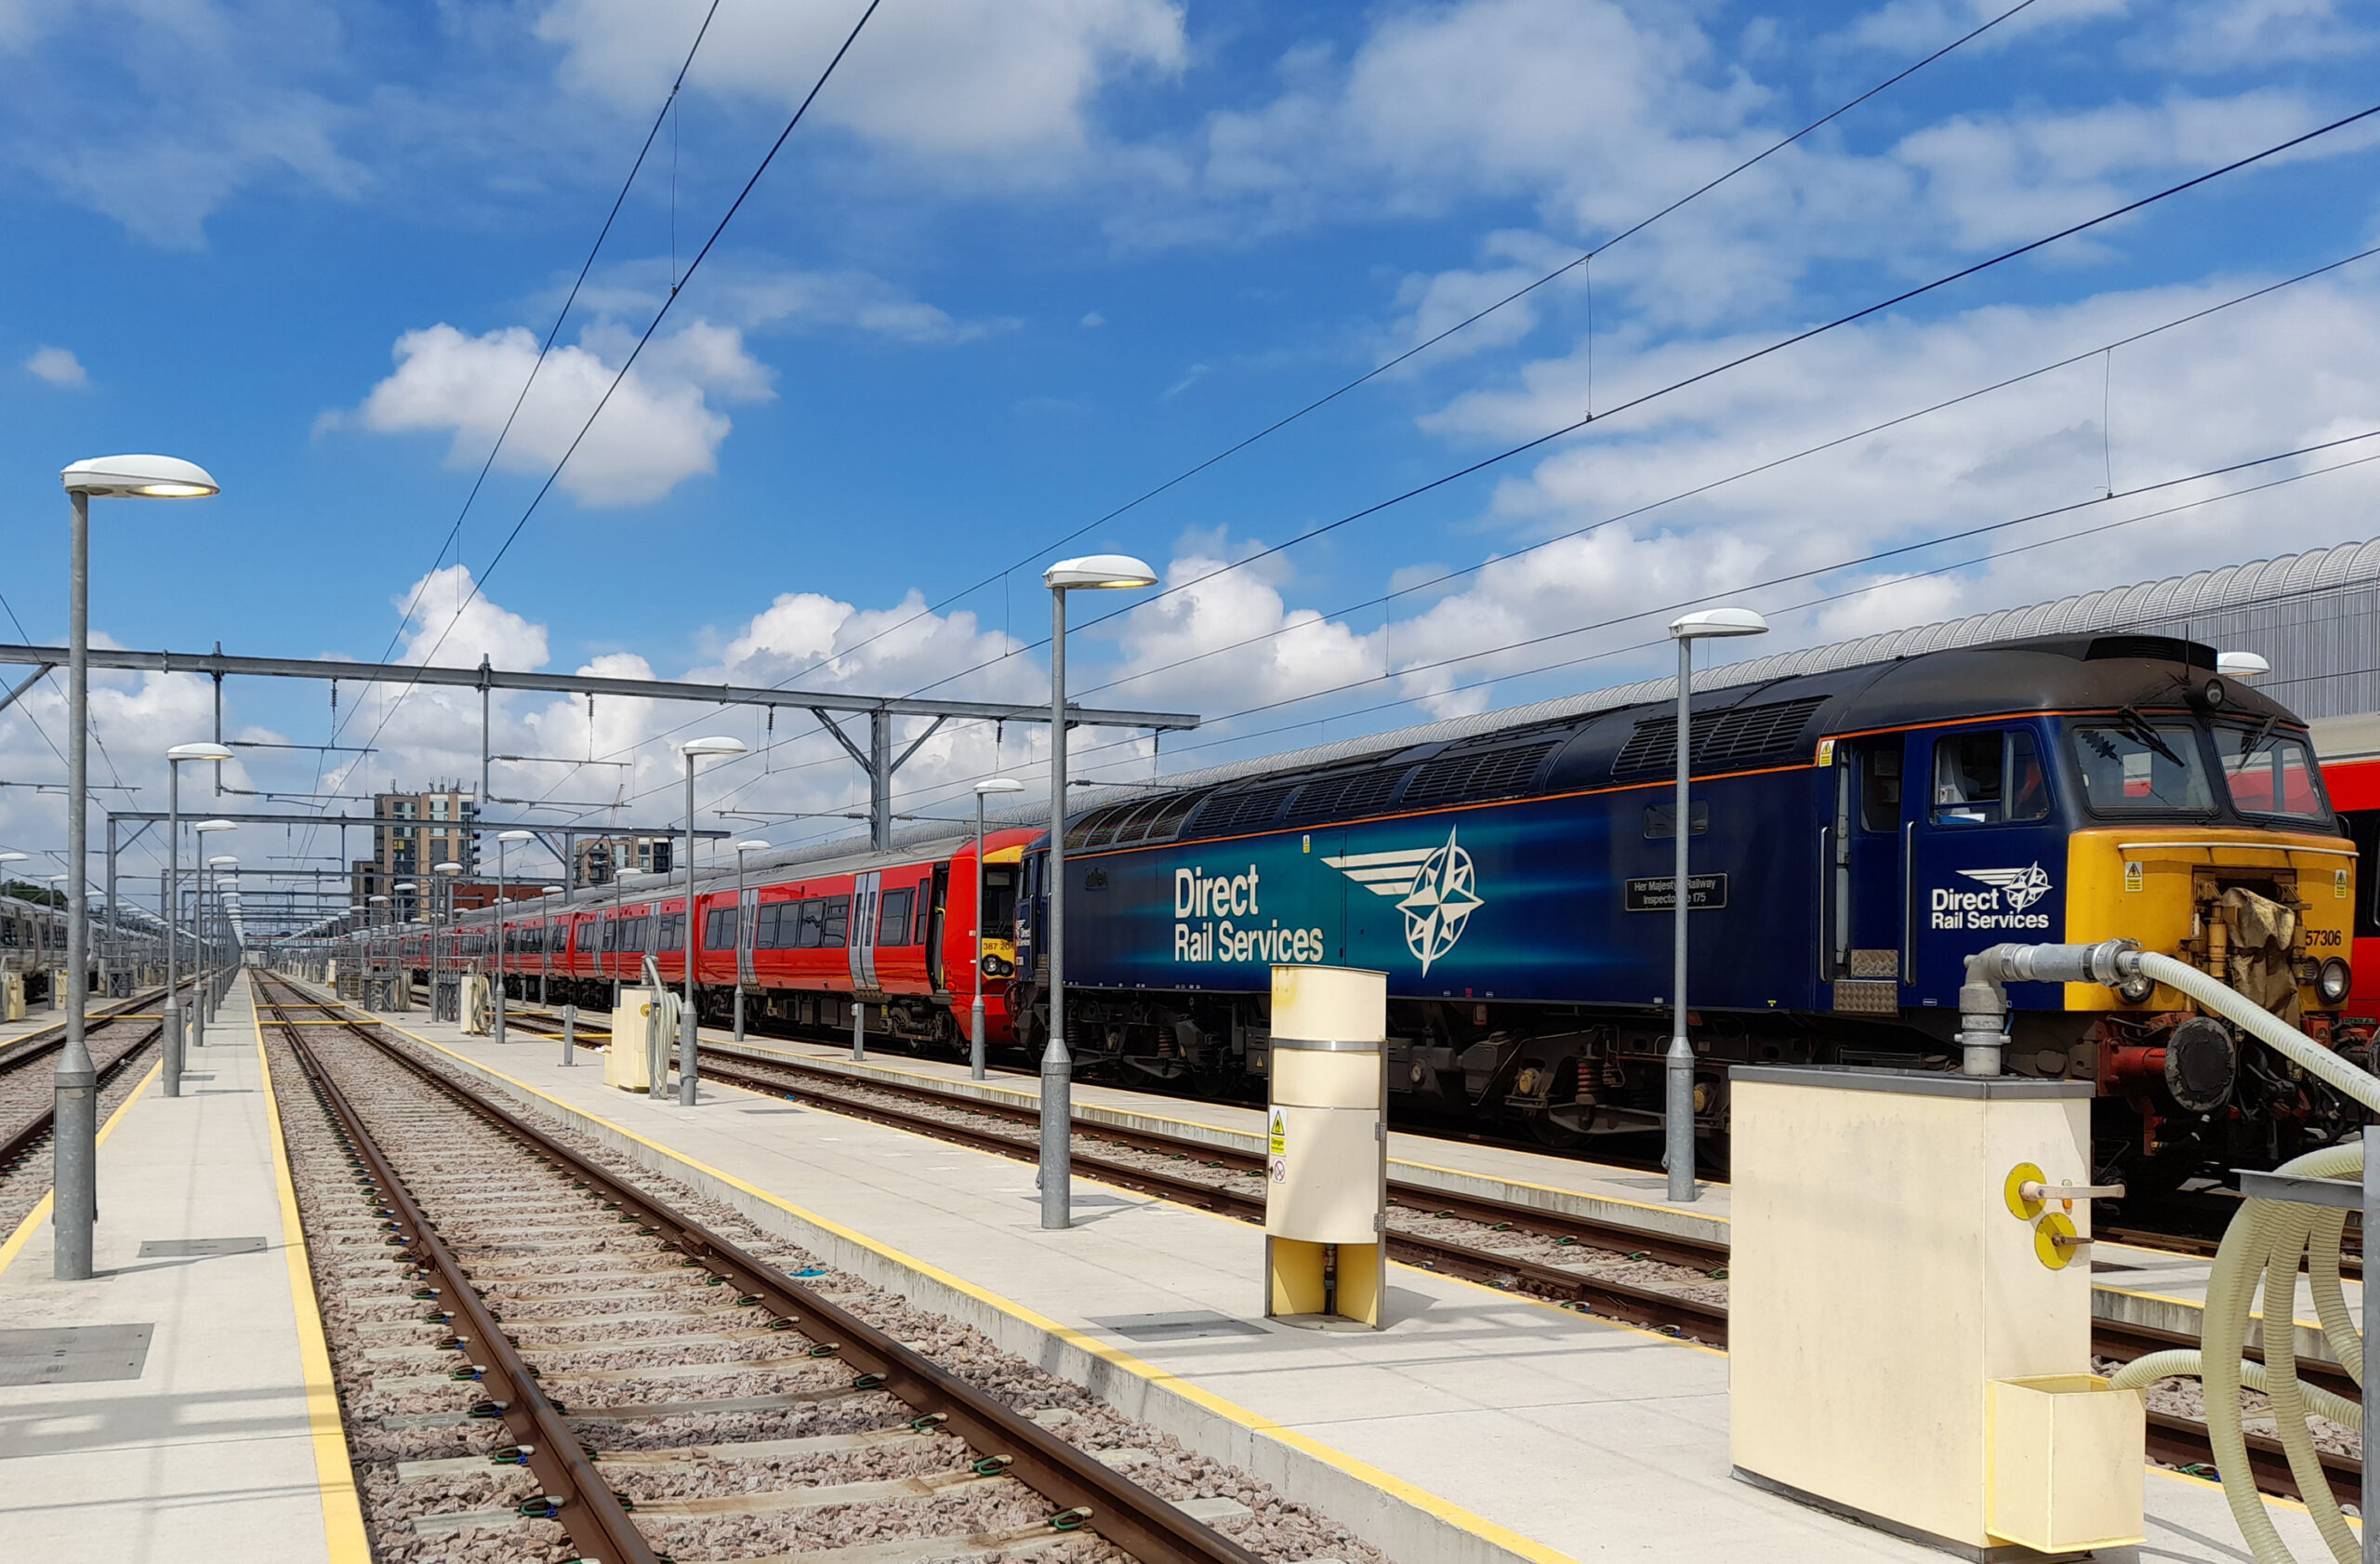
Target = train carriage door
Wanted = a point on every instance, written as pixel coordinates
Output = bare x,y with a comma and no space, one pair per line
748,918
1867,842
865,896
1989,852
936,974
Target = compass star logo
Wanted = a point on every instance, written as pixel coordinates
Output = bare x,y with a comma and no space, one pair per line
2021,886
1435,887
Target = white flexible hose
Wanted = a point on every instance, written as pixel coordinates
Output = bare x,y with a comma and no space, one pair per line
2261,1251
660,1029
2183,1363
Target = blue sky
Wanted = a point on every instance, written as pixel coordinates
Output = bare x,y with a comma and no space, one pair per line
1025,260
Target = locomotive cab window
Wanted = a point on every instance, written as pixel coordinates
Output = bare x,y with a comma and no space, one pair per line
2269,773
1000,901
2130,765
1989,780
1880,788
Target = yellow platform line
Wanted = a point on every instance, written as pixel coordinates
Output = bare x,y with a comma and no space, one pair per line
40,1214
343,1533
1421,1499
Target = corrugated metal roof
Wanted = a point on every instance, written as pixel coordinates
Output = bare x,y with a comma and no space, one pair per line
2221,595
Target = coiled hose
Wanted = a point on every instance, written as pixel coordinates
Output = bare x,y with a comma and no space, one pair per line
479,1008
2261,1249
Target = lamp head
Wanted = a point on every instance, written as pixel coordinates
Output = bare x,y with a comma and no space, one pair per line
991,785
516,836
379,901
717,746
1709,623
448,869
216,825
753,846
201,751
140,477
226,861
550,891
1099,570
2241,665
406,886
14,858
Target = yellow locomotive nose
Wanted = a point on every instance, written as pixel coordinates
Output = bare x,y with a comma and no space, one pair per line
2267,913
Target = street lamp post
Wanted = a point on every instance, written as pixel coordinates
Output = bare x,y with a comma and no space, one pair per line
372,950
694,749
225,899
987,787
401,984
503,839
171,1075
76,1084
56,1001
1677,1123
1092,571
203,973
441,951
742,932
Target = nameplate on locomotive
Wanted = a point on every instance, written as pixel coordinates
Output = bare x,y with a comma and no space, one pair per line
1659,894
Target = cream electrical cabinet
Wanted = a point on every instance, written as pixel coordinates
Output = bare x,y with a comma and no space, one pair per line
1326,1189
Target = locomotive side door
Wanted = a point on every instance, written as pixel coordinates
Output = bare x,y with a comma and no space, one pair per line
747,915
863,931
937,976
1866,943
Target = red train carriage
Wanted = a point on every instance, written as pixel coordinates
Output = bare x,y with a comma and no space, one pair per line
893,932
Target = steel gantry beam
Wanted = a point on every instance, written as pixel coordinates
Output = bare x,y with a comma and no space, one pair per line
877,759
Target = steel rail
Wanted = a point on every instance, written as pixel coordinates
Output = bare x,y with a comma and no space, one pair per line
584,1504
21,1140
2176,1441
43,1041
1085,1489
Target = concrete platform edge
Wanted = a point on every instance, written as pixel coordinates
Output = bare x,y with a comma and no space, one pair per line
1453,1181
1407,1522
344,1534
40,1214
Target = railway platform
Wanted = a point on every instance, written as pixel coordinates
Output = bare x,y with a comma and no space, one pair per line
1481,1425
177,1405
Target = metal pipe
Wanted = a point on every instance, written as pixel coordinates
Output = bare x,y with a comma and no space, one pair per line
170,903
569,1034
76,1084
500,845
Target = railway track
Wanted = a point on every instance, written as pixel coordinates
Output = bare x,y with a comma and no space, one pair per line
639,1369
27,1095
2173,1439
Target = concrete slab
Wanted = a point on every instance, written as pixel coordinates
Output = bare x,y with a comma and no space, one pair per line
1478,1426
227,1445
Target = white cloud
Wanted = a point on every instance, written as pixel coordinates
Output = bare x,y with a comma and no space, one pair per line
658,429
1004,83
59,367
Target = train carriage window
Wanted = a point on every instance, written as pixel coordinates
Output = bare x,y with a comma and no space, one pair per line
719,929
838,917
607,940
893,922
2363,830
925,917
813,924
2132,765
2268,773
673,932
1879,787
1989,780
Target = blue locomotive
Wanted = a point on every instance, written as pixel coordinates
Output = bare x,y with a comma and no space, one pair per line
1856,834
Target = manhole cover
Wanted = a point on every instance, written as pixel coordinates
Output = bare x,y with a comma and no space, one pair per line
1180,1327
184,1249
73,1355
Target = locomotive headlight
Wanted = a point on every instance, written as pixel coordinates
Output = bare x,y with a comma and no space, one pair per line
2335,979
2137,988
995,967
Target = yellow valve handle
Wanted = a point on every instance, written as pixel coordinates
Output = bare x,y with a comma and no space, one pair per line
2013,1190
2055,1242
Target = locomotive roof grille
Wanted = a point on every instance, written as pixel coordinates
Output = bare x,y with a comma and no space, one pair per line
1735,737
1237,812
1133,822
1349,793
2163,648
1482,773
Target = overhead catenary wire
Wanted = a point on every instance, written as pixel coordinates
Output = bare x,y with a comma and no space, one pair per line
1808,334
1583,259
1771,465
479,583
955,788
1699,376
1742,588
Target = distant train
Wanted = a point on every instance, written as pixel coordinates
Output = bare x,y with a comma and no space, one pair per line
1856,833
33,946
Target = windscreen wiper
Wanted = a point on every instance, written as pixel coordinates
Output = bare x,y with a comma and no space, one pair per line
2255,741
2138,727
